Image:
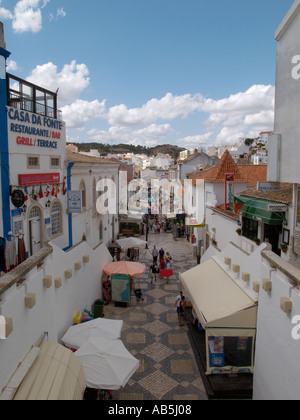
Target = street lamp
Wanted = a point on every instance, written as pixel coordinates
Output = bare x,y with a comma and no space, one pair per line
147,231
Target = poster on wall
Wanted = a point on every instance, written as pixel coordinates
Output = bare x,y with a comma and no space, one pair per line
74,201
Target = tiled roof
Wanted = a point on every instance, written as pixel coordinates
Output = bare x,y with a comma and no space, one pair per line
228,213
249,174
77,157
198,171
254,173
192,157
284,195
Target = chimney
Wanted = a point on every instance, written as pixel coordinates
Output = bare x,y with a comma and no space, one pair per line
2,42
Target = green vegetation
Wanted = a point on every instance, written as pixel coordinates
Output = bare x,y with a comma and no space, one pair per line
104,149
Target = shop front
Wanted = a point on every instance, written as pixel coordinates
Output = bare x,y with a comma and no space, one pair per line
227,314
263,220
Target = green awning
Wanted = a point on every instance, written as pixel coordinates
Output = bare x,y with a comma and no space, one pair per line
259,210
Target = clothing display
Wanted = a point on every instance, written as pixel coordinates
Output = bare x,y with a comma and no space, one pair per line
21,249
10,254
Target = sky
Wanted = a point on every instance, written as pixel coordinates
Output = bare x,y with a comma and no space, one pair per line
193,73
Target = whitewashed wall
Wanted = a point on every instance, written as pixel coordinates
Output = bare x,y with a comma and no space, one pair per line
277,353
55,308
277,361
287,101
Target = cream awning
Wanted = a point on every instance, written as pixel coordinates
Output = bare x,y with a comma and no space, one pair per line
217,299
52,373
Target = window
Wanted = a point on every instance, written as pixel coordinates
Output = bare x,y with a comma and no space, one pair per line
29,97
55,162
83,194
250,228
33,162
56,218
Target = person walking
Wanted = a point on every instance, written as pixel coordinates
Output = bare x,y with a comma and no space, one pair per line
182,311
154,254
161,258
154,270
177,303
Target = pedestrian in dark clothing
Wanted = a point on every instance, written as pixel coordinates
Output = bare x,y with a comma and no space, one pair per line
154,269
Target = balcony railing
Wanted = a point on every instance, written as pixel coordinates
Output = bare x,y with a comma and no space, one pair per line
26,96
25,104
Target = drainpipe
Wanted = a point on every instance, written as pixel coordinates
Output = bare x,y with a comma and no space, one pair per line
4,159
70,223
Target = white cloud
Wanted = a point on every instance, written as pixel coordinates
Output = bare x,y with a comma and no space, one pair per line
12,66
167,108
228,119
61,12
71,81
27,16
197,140
80,112
148,136
5,14
243,114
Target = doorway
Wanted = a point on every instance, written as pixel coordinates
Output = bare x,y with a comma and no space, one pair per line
34,221
272,235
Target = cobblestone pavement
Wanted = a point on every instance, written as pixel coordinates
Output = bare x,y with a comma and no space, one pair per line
168,370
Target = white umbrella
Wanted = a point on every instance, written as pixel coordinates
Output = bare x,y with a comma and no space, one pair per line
99,327
107,364
131,242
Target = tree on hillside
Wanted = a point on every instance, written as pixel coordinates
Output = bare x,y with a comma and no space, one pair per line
248,142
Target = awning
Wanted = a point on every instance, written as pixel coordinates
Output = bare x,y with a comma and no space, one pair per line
51,372
217,299
263,211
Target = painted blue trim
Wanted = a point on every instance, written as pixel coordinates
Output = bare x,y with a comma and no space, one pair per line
70,222
4,160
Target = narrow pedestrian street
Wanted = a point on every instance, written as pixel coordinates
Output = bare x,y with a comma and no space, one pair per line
168,369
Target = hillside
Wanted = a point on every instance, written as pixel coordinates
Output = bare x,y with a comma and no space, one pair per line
104,149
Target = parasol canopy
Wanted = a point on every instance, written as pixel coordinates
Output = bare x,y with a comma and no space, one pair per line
125,267
131,242
99,327
107,363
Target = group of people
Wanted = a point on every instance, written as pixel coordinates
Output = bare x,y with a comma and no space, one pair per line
181,309
164,262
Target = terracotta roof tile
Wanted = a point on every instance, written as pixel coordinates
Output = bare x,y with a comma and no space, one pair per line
249,174
77,157
284,195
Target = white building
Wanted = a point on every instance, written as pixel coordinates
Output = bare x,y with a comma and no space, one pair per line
218,193
84,174
277,351
66,252
275,279
36,154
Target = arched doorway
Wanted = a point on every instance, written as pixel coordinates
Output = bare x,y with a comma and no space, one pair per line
35,234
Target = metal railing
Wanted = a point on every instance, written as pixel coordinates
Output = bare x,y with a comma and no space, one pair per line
25,104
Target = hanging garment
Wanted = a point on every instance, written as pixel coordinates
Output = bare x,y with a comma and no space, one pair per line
10,254
21,250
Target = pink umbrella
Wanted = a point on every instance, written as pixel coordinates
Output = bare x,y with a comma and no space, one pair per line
125,267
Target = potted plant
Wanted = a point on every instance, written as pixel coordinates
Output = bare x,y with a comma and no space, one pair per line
239,231
284,247
257,241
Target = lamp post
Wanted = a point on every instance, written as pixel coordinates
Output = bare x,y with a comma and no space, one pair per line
147,231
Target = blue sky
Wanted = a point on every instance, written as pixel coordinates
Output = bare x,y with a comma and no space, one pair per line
185,72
